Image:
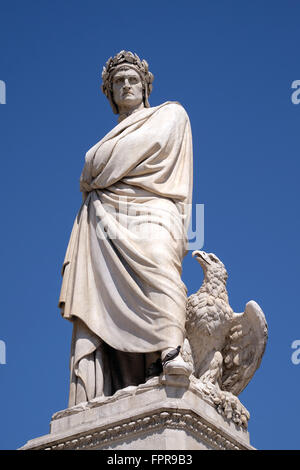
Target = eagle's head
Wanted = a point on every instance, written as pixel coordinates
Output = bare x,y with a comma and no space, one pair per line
211,265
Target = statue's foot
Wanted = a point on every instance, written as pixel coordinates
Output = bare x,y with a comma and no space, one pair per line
177,366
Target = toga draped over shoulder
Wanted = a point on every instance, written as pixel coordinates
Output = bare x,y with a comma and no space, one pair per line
122,269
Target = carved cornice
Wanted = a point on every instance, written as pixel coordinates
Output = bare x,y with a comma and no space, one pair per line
143,425
161,404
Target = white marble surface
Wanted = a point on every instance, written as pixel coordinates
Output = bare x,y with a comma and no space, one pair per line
165,413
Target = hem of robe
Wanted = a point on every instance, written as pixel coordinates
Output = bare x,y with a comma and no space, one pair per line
97,370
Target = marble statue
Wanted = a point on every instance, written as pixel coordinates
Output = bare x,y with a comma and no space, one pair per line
150,368
122,286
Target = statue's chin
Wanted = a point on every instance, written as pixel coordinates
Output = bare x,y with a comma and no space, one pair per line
129,102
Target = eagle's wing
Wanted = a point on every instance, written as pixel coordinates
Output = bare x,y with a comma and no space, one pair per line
244,348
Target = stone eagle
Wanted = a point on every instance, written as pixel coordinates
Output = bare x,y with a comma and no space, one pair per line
223,348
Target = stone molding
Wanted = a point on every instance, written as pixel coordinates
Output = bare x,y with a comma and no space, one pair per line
160,406
165,418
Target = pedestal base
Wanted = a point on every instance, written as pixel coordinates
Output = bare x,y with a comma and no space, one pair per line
165,413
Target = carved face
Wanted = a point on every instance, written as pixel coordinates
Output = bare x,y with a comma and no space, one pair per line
127,89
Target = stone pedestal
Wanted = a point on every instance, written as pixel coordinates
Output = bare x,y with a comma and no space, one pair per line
165,413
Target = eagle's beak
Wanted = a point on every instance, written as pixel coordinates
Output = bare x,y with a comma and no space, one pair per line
202,255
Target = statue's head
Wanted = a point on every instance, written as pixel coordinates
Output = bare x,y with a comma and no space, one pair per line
126,79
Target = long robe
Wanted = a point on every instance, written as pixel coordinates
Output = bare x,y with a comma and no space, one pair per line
122,284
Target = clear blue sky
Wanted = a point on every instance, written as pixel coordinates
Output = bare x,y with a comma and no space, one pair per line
231,64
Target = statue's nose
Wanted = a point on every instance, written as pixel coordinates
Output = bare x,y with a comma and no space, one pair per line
126,84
